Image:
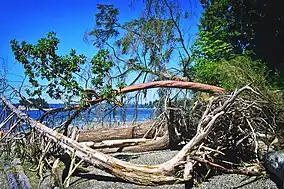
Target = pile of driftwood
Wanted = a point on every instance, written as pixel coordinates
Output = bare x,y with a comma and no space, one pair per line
224,133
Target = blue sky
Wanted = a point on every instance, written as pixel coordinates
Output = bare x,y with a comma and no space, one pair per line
31,20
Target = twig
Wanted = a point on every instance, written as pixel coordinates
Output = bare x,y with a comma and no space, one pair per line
254,138
6,120
13,126
234,171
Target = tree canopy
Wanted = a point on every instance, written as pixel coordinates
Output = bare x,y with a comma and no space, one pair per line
233,35
251,28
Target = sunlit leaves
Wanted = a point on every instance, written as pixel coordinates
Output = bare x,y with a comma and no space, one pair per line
106,21
250,27
150,39
101,65
42,61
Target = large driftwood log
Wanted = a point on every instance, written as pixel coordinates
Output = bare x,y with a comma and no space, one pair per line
116,143
136,131
160,143
175,170
139,174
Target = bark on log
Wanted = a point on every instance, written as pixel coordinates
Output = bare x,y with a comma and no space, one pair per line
172,84
117,143
159,84
160,143
136,131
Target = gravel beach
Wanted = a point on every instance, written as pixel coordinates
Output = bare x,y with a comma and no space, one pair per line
97,179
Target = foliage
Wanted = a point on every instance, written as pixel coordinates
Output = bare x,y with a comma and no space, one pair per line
243,27
233,73
63,73
238,72
36,102
145,44
42,61
100,66
209,48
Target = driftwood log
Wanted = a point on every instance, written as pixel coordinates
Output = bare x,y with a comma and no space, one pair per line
136,131
176,170
125,139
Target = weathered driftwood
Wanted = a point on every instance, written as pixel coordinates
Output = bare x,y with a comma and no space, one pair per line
120,143
165,173
139,174
178,169
160,143
136,131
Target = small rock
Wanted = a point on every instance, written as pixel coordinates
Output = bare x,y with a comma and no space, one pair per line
274,163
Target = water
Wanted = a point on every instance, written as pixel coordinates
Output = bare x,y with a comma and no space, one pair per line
95,115
100,114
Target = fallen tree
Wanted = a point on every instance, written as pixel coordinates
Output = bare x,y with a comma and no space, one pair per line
157,84
136,131
178,169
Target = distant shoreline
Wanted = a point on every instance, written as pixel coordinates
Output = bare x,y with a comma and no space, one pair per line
47,109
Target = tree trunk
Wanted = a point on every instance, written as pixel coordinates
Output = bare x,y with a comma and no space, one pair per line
136,131
120,143
158,84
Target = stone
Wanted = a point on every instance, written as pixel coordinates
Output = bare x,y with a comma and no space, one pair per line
274,164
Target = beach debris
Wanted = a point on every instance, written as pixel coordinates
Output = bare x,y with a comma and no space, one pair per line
176,170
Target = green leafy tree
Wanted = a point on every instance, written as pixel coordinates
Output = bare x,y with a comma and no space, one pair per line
151,47
66,75
242,27
146,44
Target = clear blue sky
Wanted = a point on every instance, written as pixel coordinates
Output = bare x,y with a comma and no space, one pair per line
30,20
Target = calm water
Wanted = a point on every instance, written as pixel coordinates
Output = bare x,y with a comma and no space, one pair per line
98,115
94,115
